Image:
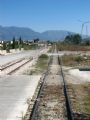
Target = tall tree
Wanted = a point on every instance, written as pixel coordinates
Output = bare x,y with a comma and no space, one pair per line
13,44
4,46
20,43
77,39
20,40
68,39
8,47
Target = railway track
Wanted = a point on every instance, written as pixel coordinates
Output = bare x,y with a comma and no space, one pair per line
13,66
14,70
67,99
3,67
52,102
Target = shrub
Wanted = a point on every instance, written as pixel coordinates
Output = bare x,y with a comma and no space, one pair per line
43,56
79,58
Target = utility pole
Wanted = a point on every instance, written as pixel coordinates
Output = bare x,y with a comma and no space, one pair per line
86,31
83,24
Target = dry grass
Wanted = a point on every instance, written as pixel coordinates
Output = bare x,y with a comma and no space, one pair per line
62,47
74,60
80,100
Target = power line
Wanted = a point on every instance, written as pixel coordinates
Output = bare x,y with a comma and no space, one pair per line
82,26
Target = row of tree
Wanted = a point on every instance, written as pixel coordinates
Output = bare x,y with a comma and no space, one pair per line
73,39
17,43
14,44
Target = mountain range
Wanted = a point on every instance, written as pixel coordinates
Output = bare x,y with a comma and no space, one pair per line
7,33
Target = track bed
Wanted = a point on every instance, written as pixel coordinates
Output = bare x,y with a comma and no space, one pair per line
51,100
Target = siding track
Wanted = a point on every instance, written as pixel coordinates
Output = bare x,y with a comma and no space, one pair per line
13,66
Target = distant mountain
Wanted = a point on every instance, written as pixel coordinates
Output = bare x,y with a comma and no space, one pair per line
7,33
54,34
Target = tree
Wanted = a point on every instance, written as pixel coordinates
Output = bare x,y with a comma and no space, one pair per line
77,39
87,42
36,40
4,46
13,44
8,47
20,40
73,39
49,42
68,39
20,43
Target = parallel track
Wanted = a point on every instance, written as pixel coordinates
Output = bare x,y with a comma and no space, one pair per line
18,67
67,100
13,63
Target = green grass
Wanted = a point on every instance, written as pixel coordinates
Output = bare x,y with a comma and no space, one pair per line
42,62
30,47
40,67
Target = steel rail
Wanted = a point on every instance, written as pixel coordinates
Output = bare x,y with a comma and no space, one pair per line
13,63
18,67
67,99
37,101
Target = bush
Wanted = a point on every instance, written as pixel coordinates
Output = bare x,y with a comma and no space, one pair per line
30,47
43,56
7,50
79,58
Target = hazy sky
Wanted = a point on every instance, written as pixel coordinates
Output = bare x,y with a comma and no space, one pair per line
42,15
